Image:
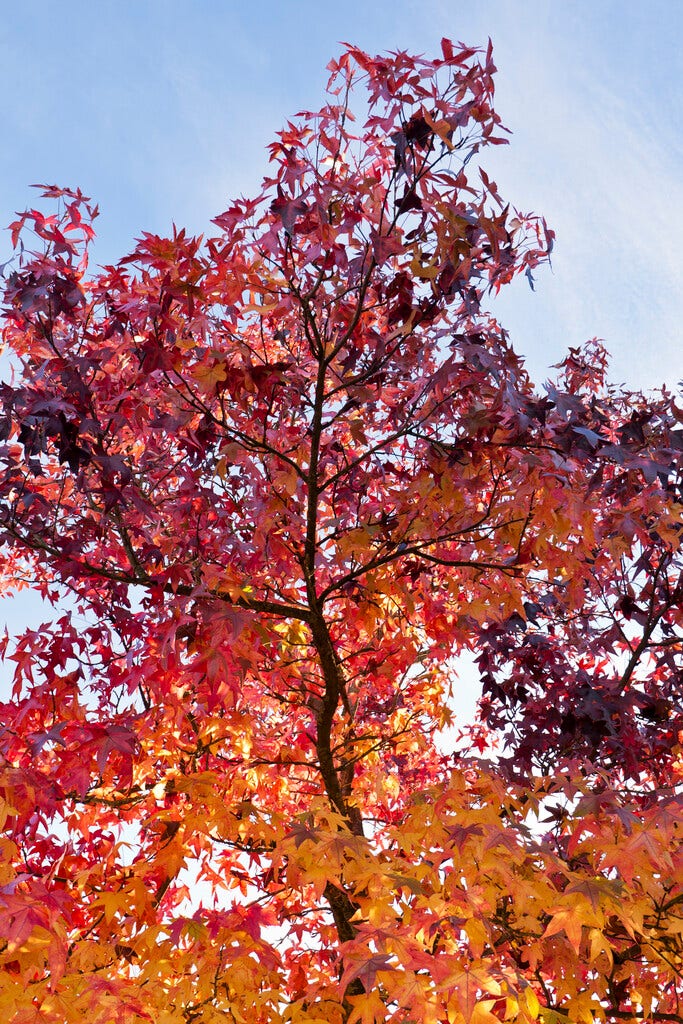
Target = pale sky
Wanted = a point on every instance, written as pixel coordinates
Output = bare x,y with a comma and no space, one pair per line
161,112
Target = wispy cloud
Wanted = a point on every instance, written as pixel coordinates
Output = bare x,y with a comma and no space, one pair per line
594,151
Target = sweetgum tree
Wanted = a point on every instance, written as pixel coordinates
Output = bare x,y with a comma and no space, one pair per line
272,483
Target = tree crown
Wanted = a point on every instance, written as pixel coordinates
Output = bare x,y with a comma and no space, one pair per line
283,476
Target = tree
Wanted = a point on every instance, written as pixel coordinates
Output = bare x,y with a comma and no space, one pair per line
273,483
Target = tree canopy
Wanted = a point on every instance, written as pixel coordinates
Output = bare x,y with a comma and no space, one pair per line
273,482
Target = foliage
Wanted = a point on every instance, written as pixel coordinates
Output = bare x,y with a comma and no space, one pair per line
273,483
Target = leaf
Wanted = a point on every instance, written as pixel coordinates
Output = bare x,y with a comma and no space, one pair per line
366,972
288,210
568,921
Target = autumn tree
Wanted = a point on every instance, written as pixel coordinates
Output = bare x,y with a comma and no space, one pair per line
272,484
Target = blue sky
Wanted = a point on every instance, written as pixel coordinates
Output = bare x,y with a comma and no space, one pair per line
161,112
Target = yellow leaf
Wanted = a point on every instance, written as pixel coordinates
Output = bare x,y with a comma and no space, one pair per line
568,921
425,272
532,1004
482,1013
208,376
478,936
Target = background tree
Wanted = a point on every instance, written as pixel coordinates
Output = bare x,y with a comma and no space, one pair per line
282,477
